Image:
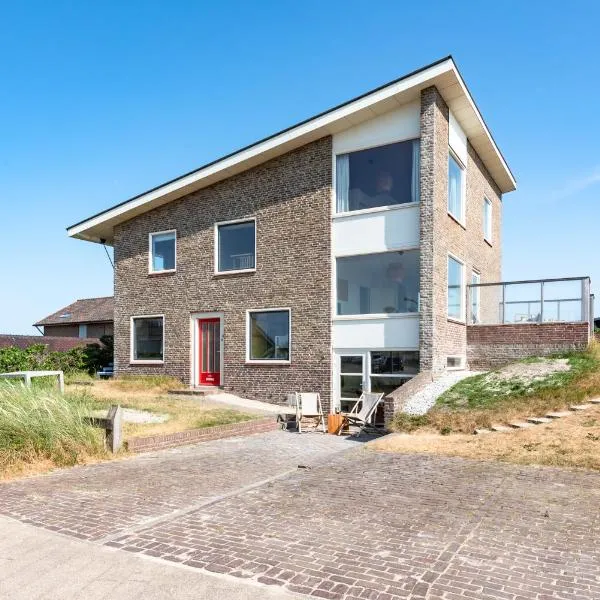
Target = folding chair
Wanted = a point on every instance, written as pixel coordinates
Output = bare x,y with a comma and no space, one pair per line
310,407
363,416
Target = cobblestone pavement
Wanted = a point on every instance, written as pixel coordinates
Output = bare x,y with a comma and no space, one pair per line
98,501
372,526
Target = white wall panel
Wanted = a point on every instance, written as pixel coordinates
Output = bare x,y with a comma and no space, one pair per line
376,231
400,124
385,332
457,139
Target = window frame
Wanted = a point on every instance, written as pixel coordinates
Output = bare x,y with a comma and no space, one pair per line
462,219
382,315
477,291
460,366
488,220
216,246
375,209
462,318
132,359
151,235
268,361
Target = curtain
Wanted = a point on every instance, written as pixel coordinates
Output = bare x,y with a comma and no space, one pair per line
414,187
342,182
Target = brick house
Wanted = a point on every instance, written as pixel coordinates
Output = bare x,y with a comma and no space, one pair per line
85,318
333,256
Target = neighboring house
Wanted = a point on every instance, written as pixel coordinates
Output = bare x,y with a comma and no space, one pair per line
332,257
54,344
86,318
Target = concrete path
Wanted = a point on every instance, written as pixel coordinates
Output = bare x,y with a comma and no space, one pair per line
38,564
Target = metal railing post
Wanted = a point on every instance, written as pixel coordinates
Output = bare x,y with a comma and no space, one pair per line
503,311
541,301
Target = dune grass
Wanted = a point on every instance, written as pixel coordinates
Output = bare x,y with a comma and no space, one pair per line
39,425
480,401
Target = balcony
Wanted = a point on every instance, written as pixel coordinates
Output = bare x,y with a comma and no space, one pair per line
536,301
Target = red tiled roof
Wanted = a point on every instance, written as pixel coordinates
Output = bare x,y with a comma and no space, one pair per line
54,343
86,310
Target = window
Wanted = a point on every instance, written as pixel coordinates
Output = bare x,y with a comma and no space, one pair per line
475,297
454,362
162,251
487,220
391,369
456,189
351,380
235,246
269,335
382,176
147,339
455,289
378,283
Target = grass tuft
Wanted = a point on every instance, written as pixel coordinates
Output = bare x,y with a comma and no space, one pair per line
39,424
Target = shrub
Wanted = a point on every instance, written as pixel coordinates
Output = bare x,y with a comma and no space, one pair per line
37,423
407,423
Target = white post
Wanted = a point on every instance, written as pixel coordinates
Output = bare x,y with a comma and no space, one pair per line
61,382
27,378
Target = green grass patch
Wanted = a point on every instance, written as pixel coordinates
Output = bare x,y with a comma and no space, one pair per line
41,424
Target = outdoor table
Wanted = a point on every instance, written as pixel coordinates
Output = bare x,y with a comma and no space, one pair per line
27,376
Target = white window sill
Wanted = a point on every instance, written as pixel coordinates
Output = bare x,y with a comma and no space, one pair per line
457,220
377,209
268,362
455,368
235,272
146,362
164,272
458,321
411,315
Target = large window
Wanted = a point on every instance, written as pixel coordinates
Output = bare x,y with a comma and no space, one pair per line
381,176
487,220
269,335
236,246
456,290
378,283
162,251
456,189
147,339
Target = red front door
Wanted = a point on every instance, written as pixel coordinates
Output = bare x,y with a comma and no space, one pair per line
209,334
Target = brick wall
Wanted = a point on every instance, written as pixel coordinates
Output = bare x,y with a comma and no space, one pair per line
62,330
290,196
491,346
441,234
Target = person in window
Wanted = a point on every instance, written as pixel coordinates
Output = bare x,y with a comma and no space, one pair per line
383,189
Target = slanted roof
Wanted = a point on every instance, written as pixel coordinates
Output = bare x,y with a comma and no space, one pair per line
443,74
86,310
52,343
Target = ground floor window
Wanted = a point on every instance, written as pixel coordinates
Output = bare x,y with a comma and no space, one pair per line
147,339
269,335
373,371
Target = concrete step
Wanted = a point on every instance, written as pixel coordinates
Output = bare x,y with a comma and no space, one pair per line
500,428
521,424
558,415
482,431
203,390
580,407
539,420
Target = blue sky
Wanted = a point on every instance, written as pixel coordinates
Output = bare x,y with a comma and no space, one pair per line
100,101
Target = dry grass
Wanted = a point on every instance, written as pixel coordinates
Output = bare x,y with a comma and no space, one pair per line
469,405
150,395
572,441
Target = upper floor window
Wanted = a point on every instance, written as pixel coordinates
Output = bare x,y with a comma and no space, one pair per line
235,246
162,251
383,283
456,289
147,341
487,219
456,188
382,176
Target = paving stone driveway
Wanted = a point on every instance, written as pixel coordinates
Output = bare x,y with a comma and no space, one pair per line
357,525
